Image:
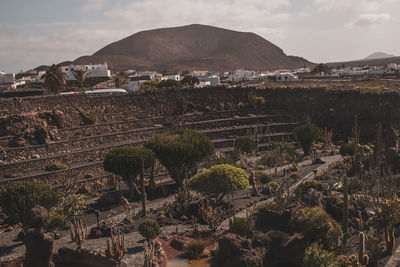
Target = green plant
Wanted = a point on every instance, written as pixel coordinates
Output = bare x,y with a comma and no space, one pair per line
306,135
270,188
87,118
244,144
73,205
78,232
55,166
180,151
316,225
362,256
117,248
347,149
385,219
240,226
219,180
149,229
127,162
169,83
195,248
334,206
263,177
18,198
56,220
211,215
315,256
303,188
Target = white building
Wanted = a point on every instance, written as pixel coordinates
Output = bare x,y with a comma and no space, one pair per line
92,71
393,66
176,77
135,82
213,80
243,76
286,77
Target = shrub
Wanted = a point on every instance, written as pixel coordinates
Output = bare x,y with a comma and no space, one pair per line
272,158
316,225
195,248
347,149
315,256
240,226
334,206
263,177
127,163
87,118
149,229
73,205
305,186
219,180
56,220
56,166
270,188
181,151
18,198
275,206
306,135
169,83
245,144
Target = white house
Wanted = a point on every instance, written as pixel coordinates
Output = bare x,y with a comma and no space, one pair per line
176,77
213,80
135,82
286,77
92,71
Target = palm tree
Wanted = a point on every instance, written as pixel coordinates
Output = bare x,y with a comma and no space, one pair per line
54,79
80,76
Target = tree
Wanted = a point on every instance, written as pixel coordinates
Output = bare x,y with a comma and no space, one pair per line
181,151
219,180
18,198
306,135
127,163
190,81
169,83
80,76
321,68
149,229
54,79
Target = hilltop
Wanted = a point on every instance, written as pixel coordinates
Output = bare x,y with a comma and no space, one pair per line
193,47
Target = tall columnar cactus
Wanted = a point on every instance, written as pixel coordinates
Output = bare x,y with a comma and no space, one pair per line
362,255
345,220
143,189
117,248
390,239
78,232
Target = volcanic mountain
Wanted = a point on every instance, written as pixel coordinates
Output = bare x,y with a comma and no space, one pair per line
193,47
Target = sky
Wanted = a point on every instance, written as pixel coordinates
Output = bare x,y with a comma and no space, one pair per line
42,32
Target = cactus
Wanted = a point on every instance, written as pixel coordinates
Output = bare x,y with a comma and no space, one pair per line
97,213
142,189
78,232
345,220
117,249
349,261
194,226
363,257
390,239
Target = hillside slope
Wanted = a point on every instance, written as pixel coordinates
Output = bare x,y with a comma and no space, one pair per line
193,47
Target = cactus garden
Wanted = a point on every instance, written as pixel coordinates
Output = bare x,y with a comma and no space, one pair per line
253,184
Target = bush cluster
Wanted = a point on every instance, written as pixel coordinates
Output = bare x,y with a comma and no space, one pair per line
306,135
263,177
18,198
55,166
149,229
245,144
240,226
195,248
315,256
303,188
270,188
316,225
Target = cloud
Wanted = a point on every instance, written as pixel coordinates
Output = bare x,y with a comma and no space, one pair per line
351,5
88,5
368,20
56,42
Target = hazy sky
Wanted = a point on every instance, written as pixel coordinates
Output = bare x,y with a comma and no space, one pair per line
36,32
